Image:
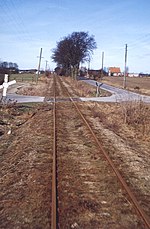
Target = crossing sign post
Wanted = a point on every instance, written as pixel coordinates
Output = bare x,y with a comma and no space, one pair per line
5,86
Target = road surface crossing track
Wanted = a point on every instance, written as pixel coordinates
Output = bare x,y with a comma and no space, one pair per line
55,221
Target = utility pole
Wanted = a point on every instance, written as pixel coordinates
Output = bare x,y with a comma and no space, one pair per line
46,74
102,65
125,67
40,57
88,66
46,65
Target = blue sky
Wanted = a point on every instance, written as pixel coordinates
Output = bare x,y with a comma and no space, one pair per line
28,25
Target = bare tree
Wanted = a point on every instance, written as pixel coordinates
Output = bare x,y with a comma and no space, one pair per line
73,50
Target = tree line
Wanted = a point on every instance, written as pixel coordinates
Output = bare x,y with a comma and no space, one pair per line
73,50
8,67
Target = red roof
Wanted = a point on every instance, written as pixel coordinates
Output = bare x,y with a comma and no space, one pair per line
114,70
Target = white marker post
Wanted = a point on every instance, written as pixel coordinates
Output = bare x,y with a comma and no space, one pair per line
98,89
5,86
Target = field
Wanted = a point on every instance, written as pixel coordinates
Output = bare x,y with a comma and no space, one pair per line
23,77
137,84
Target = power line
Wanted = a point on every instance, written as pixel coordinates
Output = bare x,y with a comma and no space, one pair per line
17,24
21,22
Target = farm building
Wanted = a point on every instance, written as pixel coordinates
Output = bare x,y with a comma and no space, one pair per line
114,71
96,73
133,74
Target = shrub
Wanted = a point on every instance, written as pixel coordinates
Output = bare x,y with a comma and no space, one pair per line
136,114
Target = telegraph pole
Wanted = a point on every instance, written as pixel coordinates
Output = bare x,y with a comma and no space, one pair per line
40,57
125,67
46,65
102,65
88,66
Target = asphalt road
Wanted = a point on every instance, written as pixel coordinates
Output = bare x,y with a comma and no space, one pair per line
13,97
23,98
118,95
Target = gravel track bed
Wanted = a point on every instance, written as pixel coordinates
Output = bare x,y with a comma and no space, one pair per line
89,193
89,196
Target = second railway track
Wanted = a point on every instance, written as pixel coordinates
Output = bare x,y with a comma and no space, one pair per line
86,190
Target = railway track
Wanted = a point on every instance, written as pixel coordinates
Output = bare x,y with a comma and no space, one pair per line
87,189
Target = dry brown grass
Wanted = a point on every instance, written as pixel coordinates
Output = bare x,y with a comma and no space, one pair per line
85,90
134,112
131,118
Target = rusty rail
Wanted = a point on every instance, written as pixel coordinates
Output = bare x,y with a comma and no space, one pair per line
133,199
120,178
54,215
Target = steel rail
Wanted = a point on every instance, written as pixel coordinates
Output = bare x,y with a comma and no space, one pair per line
54,169
133,199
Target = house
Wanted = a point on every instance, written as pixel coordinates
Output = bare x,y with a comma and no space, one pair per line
96,73
28,71
114,71
133,74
